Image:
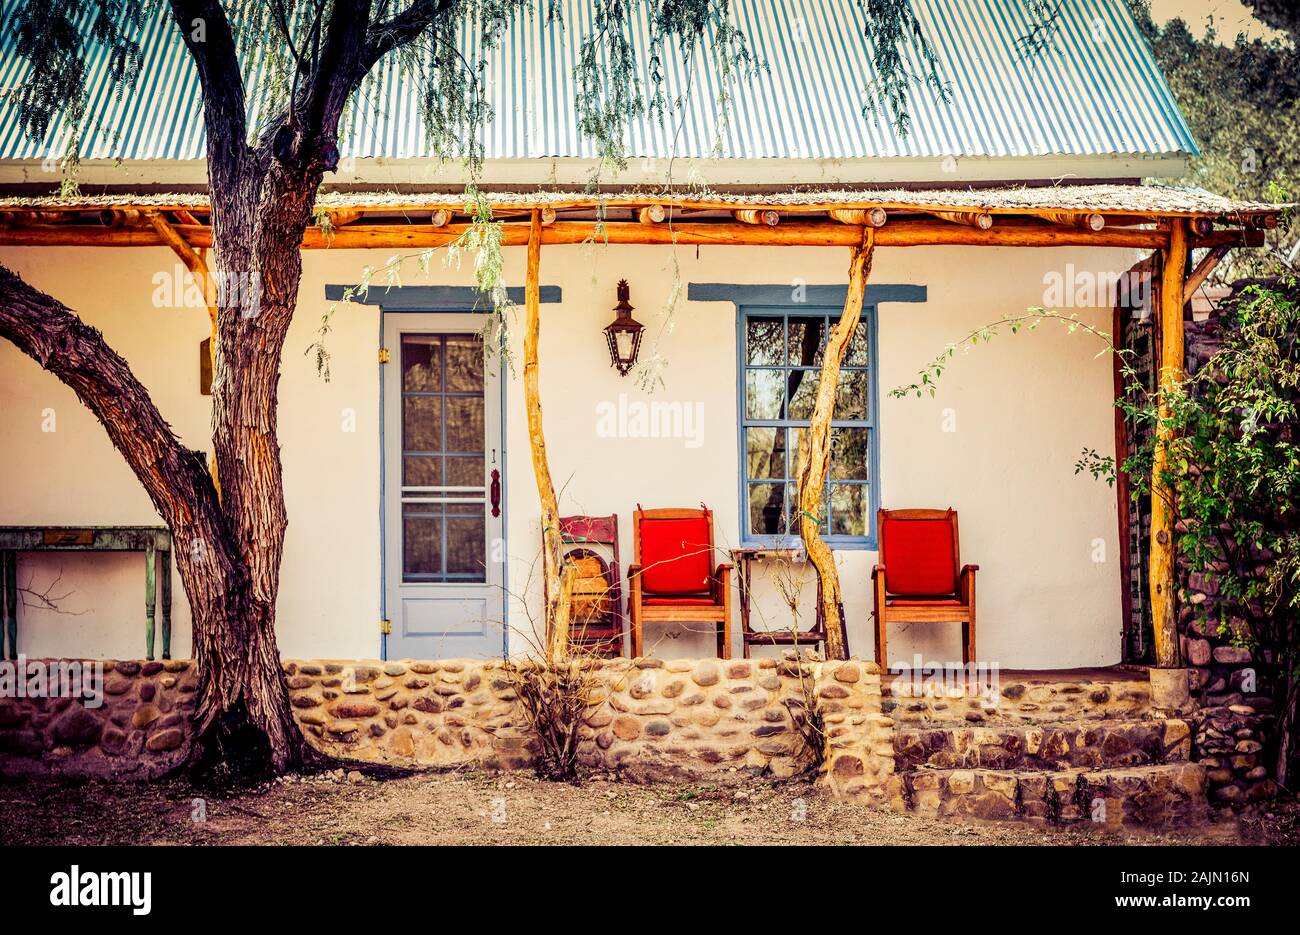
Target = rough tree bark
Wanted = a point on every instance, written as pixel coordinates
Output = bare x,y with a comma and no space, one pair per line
814,456
229,548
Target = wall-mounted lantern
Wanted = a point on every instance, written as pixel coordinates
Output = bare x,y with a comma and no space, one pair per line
623,333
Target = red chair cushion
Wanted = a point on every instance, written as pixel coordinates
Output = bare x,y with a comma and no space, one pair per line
918,557
675,556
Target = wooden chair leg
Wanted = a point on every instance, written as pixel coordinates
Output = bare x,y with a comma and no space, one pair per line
965,643
882,642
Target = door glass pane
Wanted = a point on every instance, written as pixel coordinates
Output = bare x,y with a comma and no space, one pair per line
422,423
421,471
421,542
464,364
763,341
421,363
464,423
465,471
465,552
443,431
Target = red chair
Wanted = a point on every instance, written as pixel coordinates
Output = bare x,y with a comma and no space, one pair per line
920,578
673,577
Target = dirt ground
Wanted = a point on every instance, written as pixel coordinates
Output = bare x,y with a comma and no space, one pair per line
477,808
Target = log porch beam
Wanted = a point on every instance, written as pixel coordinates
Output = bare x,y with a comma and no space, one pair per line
1204,268
900,233
1162,569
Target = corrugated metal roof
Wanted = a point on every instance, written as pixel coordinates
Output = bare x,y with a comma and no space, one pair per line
1097,91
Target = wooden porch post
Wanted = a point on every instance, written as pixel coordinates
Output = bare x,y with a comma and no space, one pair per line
1162,567
815,448
558,586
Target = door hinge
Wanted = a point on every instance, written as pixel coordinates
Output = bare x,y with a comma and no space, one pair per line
386,627
384,355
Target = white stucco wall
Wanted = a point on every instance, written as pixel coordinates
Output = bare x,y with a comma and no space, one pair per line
1022,407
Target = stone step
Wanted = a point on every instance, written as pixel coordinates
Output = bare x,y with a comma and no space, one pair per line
1141,795
1091,744
1018,700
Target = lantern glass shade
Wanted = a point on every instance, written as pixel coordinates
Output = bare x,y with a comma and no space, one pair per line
623,333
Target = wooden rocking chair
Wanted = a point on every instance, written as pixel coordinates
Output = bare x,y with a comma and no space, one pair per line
673,578
921,578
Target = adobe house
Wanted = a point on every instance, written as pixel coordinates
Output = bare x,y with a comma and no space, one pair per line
414,520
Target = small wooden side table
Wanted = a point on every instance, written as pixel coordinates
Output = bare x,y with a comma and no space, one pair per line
153,541
743,559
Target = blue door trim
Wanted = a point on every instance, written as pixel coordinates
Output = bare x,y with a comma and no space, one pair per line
432,300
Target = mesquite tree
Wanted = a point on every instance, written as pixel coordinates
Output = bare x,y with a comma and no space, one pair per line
263,180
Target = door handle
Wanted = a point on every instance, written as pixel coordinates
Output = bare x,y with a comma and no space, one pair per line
496,492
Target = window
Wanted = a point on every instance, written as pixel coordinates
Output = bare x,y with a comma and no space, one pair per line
781,356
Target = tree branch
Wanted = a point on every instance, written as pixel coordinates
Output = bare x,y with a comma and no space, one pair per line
403,28
44,329
206,33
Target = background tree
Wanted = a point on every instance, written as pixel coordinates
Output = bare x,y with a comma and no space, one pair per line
1234,470
263,180
1242,103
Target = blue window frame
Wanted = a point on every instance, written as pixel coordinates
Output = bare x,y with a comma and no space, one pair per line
780,356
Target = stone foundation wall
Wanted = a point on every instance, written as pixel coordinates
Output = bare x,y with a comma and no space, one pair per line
140,731
650,719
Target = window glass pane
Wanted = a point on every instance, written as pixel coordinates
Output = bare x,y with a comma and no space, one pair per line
421,541
850,455
465,547
765,452
766,509
763,341
464,364
792,492
421,471
852,399
422,423
858,353
849,509
807,339
803,395
764,394
421,362
464,423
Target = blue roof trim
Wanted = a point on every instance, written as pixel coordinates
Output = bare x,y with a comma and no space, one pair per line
1084,96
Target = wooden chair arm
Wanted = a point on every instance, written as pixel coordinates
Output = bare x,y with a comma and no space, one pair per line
633,571
721,581
968,582
877,570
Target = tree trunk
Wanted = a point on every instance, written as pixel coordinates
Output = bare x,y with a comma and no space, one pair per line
557,582
814,456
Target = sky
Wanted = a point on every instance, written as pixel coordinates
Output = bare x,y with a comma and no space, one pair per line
1230,17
